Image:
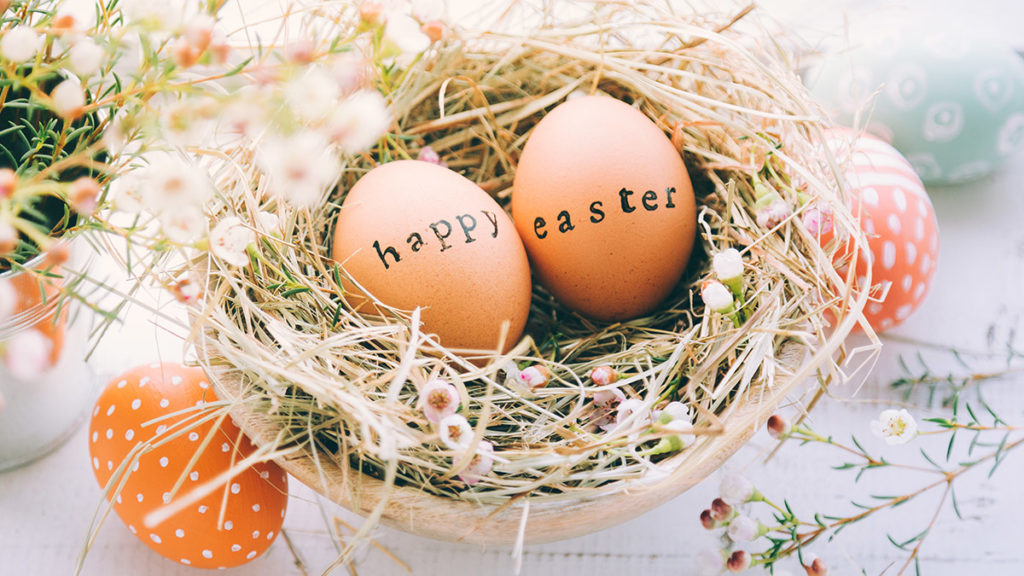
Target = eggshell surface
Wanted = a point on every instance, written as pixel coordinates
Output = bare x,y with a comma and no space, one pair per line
417,234
605,208
898,220
950,101
256,499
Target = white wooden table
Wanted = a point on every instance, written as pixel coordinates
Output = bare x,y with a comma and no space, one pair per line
976,303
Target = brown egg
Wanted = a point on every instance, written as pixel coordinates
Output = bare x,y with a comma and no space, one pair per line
605,208
416,234
254,501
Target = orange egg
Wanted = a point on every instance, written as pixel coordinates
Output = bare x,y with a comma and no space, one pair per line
898,220
254,500
416,234
605,208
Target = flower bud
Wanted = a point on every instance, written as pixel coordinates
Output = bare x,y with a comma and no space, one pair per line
433,30
8,182
817,220
20,44
428,155
58,254
301,51
721,510
535,376
68,99
710,561
814,566
371,13
736,489
716,296
455,431
603,375
728,265
480,465
738,562
83,195
779,426
86,57
707,520
187,291
745,529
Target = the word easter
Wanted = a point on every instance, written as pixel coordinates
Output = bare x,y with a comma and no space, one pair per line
648,200
442,230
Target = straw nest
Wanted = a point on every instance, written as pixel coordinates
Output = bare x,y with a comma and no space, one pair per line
333,394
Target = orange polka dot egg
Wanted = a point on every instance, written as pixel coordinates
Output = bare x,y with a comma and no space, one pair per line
154,412
898,220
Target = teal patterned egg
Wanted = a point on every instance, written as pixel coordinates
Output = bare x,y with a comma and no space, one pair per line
953,105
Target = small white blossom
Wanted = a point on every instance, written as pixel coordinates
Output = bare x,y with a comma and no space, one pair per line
818,220
709,562
313,95
20,44
402,34
68,98
182,224
86,57
716,296
728,265
626,410
480,465
774,213
535,376
8,300
736,489
300,168
743,528
427,10
438,400
895,426
268,222
170,182
455,431
126,192
359,121
610,398
27,354
155,15
230,239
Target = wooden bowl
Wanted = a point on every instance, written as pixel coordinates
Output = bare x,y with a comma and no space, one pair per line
441,518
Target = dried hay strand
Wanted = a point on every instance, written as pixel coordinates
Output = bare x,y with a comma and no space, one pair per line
306,374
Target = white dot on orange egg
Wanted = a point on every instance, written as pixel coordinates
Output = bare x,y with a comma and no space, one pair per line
166,497
179,533
255,534
270,535
143,381
235,488
110,409
129,434
229,525
96,410
264,474
136,403
110,464
919,229
132,529
161,429
900,199
870,196
250,555
193,475
225,447
893,220
204,384
117,499
139,497
95,435
122,383
185,561
926,263
886,323
911,253
110,433
155,538
203,509
175,380
255,507
903,311
193,436
163,461
908,283
922,208
888,255
164,402
235,547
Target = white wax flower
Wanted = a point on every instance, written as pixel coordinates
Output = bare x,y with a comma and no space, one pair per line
68,98
743,529
709,562
85,57
230,239
534,376
480,465
403,34
455,431
728,265
627,408
359,121
183,224
716,296
439,399
300,168
894,426
736,489
313,95
20,44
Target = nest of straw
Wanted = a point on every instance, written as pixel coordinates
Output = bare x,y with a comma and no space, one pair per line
334,386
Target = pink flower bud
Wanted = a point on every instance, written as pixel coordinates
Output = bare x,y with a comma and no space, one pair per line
721,510
434,30
603,375
743,529
707,520
480,465
779,426
439,399
8,182
187,291
738,562
429,155
535,376
818,220
815,566
84,194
